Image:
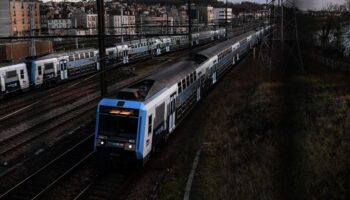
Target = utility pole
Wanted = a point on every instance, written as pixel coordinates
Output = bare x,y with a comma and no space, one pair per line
282,30
76,39
189,23
141,23
101,44
122,21
281,48
226,21
167,23
32,46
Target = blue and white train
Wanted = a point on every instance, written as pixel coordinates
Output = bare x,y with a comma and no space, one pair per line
63,66
139,117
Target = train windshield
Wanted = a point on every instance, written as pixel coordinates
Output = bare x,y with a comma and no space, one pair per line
124,126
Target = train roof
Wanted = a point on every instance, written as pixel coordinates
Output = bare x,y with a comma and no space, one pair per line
151,85
214,50
7,66
66,53
2,65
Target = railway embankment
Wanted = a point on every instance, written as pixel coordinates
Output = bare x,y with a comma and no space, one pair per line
262,136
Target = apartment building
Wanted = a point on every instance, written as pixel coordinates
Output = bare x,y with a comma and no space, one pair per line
220,15
89,22
17,17
121,24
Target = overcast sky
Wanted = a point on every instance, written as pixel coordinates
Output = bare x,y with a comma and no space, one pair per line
303,4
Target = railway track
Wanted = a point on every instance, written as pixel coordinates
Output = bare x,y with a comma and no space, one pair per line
107,185
46,105
37,184
22,142
20,101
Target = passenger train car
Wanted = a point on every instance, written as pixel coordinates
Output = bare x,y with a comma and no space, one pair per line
13,78
62,66
134,121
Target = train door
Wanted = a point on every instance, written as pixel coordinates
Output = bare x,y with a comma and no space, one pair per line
158,49
22,78
178,42
172,111
214,72
97,65
167,46
63,69
199,85
197,39
2,84
125,56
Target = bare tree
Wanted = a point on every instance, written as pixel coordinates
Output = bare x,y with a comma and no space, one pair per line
331,32
347,4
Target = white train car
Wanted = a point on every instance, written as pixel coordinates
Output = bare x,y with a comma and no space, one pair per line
13,78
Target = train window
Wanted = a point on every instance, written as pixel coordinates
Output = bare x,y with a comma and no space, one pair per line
11,74
183,84
191,78
22,73
195,75
82,56
87,55
91,54
39,70
48,66
149,124
179,87
188,80
159,118
71,58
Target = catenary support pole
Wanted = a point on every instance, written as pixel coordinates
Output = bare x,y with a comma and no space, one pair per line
101,44
189,23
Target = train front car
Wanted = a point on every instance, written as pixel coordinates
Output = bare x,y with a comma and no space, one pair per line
118,129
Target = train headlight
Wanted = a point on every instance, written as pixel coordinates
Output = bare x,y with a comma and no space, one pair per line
102,142
130,146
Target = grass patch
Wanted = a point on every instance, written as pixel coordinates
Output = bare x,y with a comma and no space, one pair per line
175,181
323,141
237,164
272,140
